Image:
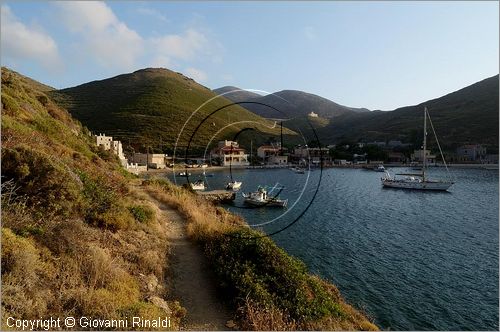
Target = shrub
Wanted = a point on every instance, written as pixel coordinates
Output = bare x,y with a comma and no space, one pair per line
46,184
142,213
251,265
101,203
23,272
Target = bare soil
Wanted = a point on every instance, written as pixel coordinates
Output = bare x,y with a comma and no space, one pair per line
190,280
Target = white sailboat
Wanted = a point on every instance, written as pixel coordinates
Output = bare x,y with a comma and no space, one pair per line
418,181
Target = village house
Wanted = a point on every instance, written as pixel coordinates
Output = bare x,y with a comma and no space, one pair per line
313,115
104,141
418,156
313,154
152,160
272,154
471,152
107,143
264,151
396,157
277,160
229,153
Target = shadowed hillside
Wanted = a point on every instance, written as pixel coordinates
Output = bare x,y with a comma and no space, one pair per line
293,104
469,115
236,94
150,106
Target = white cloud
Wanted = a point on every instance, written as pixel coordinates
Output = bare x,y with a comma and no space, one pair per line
105,37
99,37
182,46
196,74
19,41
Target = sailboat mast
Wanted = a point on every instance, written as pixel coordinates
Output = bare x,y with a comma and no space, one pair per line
425,145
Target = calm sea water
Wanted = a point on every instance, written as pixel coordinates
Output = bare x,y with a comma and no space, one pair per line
411,260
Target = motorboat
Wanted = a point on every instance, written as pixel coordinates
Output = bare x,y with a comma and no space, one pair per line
261,198
198,185
379,168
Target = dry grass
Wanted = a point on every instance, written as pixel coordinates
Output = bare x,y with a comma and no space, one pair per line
79,270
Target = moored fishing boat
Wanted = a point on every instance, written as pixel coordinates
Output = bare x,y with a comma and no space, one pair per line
233,185
261,198
198,185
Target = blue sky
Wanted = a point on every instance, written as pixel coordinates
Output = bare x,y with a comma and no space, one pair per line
379,55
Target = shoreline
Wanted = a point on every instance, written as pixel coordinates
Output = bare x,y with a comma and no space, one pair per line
362,166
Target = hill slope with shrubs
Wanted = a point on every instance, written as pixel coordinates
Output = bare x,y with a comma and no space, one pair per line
158,102
75,239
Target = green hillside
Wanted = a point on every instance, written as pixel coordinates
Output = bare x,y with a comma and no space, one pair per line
72,230
150,106
469,115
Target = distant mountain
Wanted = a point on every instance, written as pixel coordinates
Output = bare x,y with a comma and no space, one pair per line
469,115
293,104
150,106
236,94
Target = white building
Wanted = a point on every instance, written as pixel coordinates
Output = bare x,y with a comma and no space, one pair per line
264,151
230,154
153,160
115,146
418,156
471,152
104,141
277,160
313,115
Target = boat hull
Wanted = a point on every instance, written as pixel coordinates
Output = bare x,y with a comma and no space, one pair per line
437,185
276,203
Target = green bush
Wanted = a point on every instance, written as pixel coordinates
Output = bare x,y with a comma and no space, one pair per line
47,184
252,268
100,201
142,213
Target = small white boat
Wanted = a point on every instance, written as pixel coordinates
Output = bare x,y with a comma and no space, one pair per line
418,181
233,185
298,170
261,198
198,185
379,168
184,174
